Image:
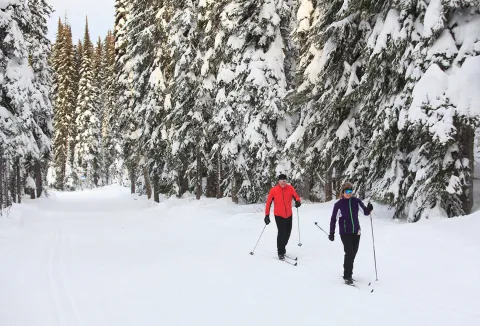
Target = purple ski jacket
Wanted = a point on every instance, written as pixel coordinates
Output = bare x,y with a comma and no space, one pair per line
346,210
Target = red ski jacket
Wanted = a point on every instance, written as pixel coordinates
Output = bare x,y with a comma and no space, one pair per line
283,200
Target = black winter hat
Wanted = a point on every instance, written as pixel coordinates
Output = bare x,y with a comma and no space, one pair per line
282,177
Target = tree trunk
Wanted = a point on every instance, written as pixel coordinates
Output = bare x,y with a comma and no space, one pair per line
38,178
148,184
235,187
31,174
12,183
132,179
19,183
6,197
2,170
219,175
199,175
335,187
95,175
467,144
328,178
156,188
211,188
183,180
328,186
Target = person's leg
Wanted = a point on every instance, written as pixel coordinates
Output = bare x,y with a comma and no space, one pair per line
355,244
288,230
347,240
281,235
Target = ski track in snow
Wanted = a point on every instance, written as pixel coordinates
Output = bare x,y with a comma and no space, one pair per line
65,307
104,257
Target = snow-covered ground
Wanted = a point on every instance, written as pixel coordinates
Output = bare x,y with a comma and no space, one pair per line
100,257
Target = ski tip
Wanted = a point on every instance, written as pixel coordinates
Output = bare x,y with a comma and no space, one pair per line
295,264
369,283
316,223
372,291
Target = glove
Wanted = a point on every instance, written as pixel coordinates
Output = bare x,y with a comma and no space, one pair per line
370,206
297,204
267,219
331,237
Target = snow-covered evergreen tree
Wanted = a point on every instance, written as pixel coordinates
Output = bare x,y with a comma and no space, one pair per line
87,147
431,110
39,49
143,38
99,78
110,153
25,121
250,116
120,126
64,105
182,122
156,103
373,105
333,36
72,134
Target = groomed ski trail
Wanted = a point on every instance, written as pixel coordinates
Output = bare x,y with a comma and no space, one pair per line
105,257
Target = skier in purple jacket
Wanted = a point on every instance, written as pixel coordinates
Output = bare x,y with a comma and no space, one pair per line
346,210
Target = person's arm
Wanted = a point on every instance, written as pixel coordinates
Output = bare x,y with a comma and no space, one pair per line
295,195
366,211
269,203
298,203
333,219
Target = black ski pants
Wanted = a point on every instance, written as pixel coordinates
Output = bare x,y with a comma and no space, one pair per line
284,226
350,245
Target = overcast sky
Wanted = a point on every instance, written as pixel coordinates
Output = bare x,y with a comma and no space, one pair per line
100,17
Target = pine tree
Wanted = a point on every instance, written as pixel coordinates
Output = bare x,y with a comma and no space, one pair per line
99,78
17,102
72,135
64,74
110,98
55,60
369,112
120,125
250,117
157,104
87,147
42,107
331,62
182,122
430,170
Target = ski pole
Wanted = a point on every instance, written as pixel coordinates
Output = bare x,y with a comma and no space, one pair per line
299,239
251,253
374,255
321,228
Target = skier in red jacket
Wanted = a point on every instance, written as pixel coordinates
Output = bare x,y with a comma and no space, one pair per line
282,194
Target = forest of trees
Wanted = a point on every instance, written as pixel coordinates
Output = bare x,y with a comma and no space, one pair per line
217,97
25,99
84,96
